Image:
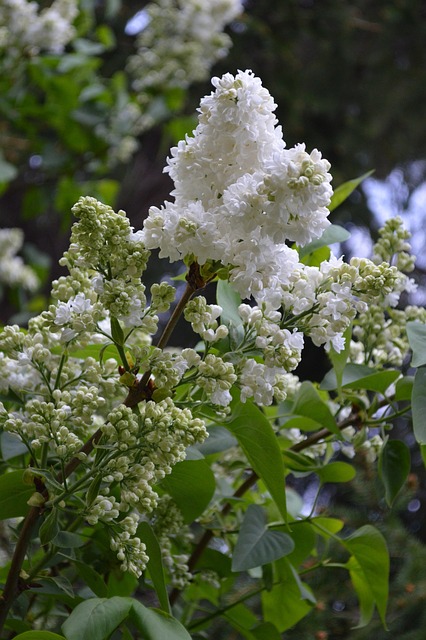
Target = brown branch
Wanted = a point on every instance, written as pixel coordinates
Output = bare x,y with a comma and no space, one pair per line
11,586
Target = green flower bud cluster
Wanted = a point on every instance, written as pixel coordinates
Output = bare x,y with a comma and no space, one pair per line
216,377
111,258
170,529
393,246
130,550
203,319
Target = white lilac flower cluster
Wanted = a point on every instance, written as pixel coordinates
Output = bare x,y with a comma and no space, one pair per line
181,42
26,27
13,271
64,401
379,334
203,319
239,194
240,198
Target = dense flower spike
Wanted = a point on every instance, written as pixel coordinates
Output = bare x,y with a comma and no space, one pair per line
239,194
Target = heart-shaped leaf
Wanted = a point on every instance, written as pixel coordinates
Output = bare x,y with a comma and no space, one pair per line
256,544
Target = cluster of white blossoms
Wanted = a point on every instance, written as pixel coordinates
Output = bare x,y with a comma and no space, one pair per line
240,199
13,271
24,26
181,42
239,194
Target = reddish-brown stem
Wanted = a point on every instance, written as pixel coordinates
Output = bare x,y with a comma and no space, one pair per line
11,586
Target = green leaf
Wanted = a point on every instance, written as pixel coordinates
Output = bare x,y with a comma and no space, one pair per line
68,540
229,300
94,581
117,333
305,591
363,591
309,403
60,587
242,619
191,485
98,351
368,547
260,445
11,446
215,560
330,472
39,635
344,190
358,376
193,453
416,334
284,605
303,535
14,495
155,564
302,423
219,440
266,631
327,526
12,396
93,490
418,400
315,258
336,472
394,467
298,461
155,624
49,527
96,618
256,544
62,583
121,583
404,388
333,233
